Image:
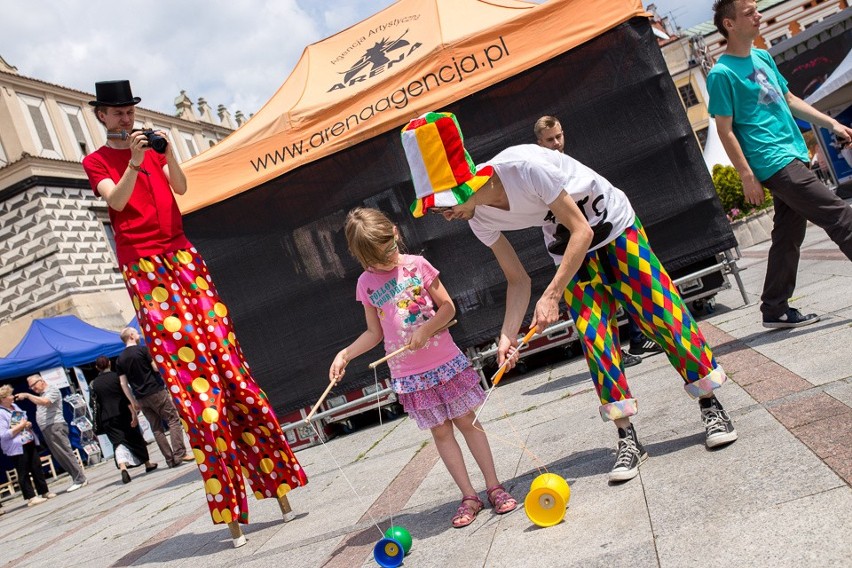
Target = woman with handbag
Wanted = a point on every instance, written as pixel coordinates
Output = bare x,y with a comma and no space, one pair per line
116,420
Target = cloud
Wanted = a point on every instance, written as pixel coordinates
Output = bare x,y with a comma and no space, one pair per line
231,53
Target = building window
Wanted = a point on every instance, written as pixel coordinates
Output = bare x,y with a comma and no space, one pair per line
778,40
3,159
190,143
210,138
103,217
688,96
35,113
101,128
702,137
110,234
76,126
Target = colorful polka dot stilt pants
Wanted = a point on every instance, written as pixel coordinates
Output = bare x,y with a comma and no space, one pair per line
232,429
627,271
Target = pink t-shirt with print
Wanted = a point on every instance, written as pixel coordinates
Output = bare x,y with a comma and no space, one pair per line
401,298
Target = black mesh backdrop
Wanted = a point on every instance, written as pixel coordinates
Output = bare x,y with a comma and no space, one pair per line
279,257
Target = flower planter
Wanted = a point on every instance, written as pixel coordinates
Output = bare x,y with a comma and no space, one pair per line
754,229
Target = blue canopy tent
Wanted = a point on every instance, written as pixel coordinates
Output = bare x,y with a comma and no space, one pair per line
63,341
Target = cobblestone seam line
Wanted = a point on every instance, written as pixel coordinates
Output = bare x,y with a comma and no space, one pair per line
358,546
160,537
818,420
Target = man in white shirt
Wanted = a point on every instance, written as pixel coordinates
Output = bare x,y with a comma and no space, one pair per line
549,134
606,259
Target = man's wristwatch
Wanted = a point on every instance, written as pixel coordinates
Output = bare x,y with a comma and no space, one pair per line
133,166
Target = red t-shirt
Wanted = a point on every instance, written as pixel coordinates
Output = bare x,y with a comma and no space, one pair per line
150,223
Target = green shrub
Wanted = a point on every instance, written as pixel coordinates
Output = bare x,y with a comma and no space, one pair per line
729,187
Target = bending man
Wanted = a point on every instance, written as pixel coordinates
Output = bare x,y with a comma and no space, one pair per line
607,259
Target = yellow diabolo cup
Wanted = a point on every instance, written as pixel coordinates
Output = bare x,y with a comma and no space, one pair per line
546,502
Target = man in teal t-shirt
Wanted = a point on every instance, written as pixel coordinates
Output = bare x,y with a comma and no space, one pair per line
754,113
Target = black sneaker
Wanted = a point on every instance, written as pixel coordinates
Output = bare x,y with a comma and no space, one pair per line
628,360
647,348
628,457
792,318
717,423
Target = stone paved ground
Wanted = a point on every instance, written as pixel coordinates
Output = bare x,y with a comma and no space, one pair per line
780,496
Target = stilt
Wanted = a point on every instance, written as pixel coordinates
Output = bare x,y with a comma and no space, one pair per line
237,534
286,509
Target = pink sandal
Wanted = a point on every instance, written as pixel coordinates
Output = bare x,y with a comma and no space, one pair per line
466,513
501,500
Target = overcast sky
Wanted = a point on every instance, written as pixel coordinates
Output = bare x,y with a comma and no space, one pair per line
235,53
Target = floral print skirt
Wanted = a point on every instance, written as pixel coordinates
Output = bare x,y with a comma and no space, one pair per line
447,400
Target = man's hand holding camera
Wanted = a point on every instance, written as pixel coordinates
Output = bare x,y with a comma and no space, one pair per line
138,147
156,139
143,140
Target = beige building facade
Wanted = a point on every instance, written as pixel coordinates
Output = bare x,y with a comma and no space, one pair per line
56,241
690,53
688,64
782,19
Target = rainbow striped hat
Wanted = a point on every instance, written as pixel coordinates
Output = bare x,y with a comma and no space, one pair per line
442,171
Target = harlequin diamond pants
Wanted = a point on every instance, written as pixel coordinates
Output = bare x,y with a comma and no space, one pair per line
628,272
232,429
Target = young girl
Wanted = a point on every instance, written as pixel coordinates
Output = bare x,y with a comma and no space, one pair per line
406,304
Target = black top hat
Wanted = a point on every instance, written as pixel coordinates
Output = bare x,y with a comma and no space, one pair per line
114,94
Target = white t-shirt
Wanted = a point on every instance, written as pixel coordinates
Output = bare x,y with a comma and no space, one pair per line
533,178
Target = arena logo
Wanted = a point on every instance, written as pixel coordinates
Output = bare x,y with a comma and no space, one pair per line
376,59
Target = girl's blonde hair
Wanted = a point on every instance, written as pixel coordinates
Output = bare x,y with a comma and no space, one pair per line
370,236
6,390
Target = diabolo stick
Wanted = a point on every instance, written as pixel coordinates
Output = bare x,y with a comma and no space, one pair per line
321,398
502,369
372,365
499,374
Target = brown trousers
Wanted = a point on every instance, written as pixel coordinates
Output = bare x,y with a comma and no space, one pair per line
158,407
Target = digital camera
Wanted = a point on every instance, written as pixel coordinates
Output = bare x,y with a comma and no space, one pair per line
156,142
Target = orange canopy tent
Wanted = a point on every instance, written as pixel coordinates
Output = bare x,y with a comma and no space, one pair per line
266,205
414,56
